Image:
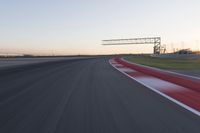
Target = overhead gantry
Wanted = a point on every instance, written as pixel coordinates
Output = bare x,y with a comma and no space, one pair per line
149,40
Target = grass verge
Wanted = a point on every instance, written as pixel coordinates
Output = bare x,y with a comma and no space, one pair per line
163,63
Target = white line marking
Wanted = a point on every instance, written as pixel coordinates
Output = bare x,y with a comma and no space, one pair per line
118,65
125,69
161,85
162,94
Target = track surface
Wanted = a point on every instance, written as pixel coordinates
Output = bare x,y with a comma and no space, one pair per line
85,96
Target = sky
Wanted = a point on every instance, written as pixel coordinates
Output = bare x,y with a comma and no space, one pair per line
70,27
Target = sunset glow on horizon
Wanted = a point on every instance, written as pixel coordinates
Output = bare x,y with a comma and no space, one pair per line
75,27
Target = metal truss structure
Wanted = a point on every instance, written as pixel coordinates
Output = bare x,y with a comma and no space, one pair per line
149,40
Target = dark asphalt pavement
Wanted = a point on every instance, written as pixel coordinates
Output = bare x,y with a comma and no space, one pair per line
85,96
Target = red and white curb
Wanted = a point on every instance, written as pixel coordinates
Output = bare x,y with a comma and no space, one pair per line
185,97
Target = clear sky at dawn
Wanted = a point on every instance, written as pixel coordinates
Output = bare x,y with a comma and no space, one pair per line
48,27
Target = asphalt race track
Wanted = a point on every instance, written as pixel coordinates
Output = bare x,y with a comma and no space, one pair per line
85,96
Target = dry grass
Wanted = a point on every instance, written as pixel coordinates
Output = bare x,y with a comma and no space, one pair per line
173,64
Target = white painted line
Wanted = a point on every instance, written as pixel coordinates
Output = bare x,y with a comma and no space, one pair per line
125,69
114,62
162,94
161,85
118,65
